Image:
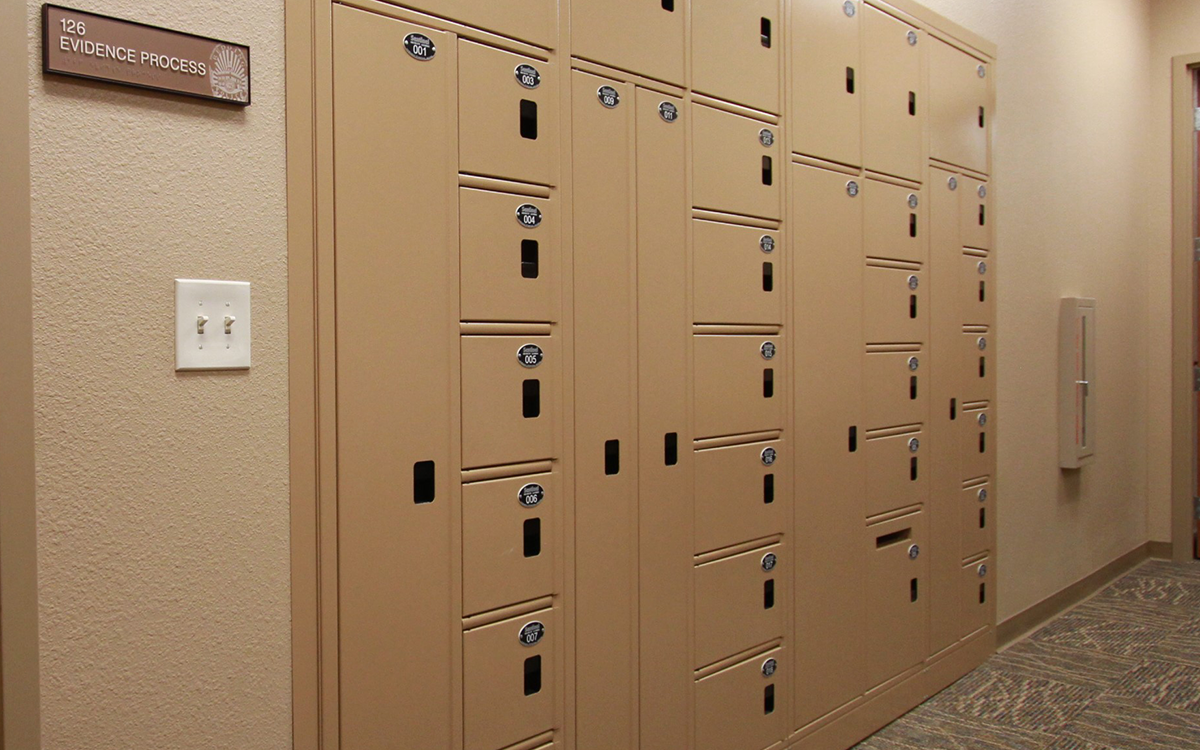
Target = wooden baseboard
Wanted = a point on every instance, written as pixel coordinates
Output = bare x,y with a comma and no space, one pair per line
1160,550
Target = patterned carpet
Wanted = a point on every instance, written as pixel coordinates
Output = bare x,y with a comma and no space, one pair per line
1119,672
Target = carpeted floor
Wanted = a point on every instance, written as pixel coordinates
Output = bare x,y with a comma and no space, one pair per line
1119,672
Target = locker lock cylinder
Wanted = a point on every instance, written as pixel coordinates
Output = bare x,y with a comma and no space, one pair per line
768,667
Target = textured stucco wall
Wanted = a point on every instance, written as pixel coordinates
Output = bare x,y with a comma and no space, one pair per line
1073,85
162,498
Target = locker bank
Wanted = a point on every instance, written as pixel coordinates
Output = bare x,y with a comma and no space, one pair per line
625,375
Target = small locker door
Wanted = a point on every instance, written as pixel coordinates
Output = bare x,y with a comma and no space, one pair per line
897,600
528,20
509,268
826,91
895,222
895,386
743,706
739,603
976,213
508,680
977,290
736,274
893,108
736,165
508,388
508,540
975,445
895,477
959,110
976,504
976,376
736,49
738,384
507,115
977,595
641,36
894,303
742,493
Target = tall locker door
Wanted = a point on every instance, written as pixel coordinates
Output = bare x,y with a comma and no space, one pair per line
959,107
826,94
606,470
396,294
976,214
664,444
736,50
898,613
529,20
893,108
735,163
641,36
830,609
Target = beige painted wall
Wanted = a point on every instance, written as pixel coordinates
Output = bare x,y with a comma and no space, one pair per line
162,498
1073,86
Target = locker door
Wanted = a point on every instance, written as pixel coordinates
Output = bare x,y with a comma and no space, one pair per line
893,107
742,493
508,680
959,107
732,168
978,516
977,596
895,303
743,706
738,384
826,93
898,609
641,36
895,386
977,290
529,20
508,540
737,275
395,181
507,115
735,51
895,475
977,365
895,222
739,603
508,389
976,213
509,270
606,451
975,442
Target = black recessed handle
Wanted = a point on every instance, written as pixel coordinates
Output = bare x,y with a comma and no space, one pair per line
981,121
533,675
912,225
983,518
983,442
953,408
529,126
671,448
912,306
529,259
769,593
849,80
769,700
912,387
912,103
532,531
768,382
424,475
982,292
612,457
982,215
912,590
912,469
983,367
764,32
853,439
768,489
983,593
531,399
668,5
767,175
768,277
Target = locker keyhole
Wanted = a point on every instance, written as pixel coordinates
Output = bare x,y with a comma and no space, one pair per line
912,103
768,489
423,482
668,5
769,382
612,457
982,215
981,117
912,469
912,388
764,32
983,593
533,675
912,590
529,259
767,177
532,529
982,292
953,408
671,448
853,439
983,442
912,225
849,80
531,399
768,277
769,700
769,593
529,120
912,306
983,518
983,367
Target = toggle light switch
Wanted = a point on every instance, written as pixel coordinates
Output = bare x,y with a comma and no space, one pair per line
200,348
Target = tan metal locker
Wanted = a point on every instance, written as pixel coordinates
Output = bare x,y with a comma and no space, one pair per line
738,384
509,271
978,595
529,20
743,492
895,386
830,610
977,290
736,49
959,106
743,706
737,274
826,93
395,184
895,303
733,170
509,541
975,442
642,36
976,213
893,104
978,516
740,603
895,475
895,222
976,365
509,384
508,680
507,115
606,451
897,600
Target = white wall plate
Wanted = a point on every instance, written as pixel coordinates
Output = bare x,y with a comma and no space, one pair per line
212,325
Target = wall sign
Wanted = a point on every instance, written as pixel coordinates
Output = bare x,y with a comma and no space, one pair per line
86,45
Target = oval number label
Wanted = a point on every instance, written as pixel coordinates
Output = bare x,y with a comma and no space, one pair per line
768,456
531,495
852,189
913,363
420,46
913,283
912,38
531,633
982,420
668,111
608,96
767,350
913,201
848,8
982,343
953,183
983,496
768,561
982,571
529,215
768,667
766,137
982,268
982,191
530,355
528,76
914,552
914,445
767,243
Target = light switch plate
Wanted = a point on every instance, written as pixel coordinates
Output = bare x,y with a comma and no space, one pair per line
212,325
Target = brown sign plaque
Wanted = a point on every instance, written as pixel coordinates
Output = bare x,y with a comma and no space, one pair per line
87,45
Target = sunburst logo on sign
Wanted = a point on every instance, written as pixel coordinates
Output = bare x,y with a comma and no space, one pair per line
229,74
